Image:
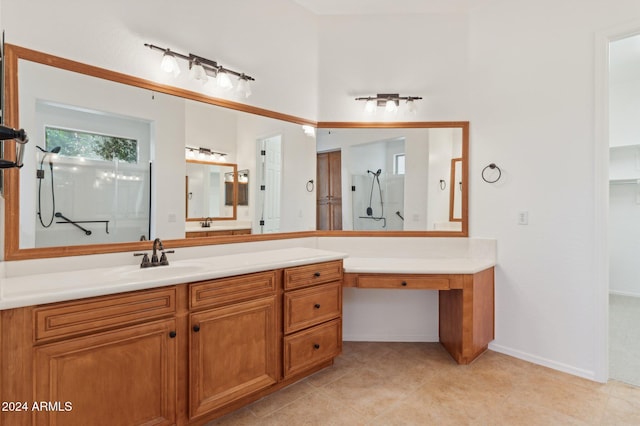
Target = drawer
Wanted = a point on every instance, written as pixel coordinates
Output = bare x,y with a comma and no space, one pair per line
227,290
420,282
100,313
318,273
313,346
310,306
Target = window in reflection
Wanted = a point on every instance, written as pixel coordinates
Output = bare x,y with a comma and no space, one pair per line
90,187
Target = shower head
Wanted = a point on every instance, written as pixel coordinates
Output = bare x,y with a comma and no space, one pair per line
375,173
55,150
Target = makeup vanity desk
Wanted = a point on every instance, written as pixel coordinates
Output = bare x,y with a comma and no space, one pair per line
465,295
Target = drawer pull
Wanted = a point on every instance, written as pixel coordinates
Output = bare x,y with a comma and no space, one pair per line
196,328
317,306
403,284
316,274
172,334
316,346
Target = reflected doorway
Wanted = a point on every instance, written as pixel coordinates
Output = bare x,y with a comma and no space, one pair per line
329,193
270,183
624,210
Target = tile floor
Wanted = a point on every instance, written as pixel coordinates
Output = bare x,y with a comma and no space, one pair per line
624,338
419,384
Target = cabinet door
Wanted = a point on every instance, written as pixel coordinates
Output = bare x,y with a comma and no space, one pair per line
233,352
123,377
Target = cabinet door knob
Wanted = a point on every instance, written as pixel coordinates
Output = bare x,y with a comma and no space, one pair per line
172,334
316,346
403,284
316,274
317,306
196,328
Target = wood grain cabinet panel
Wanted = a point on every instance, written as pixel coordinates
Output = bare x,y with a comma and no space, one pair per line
418,282
66,319
222,291
313,346
233,353
308,275
310,306
123,377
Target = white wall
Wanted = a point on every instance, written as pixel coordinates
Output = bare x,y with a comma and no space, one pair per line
275,42
420,55
532,102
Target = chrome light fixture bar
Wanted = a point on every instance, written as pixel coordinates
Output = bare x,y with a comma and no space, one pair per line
201,68
198,153
390,102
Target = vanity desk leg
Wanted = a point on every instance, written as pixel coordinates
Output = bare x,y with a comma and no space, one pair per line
466,322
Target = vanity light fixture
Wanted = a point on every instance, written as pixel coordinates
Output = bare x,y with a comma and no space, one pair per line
201,69
197,153
390,102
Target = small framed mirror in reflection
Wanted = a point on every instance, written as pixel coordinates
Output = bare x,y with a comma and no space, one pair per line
210,193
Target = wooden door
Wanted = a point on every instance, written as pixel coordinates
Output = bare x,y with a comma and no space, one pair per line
123,377
329,192
234,352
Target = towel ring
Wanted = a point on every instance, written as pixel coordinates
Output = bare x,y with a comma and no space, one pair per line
491,166
443,184
310,186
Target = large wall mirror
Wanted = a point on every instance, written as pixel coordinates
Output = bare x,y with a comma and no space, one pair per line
133,180
395,179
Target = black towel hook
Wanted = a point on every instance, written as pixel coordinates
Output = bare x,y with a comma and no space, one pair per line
491,166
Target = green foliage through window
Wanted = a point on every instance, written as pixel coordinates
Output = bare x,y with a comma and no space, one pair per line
92,146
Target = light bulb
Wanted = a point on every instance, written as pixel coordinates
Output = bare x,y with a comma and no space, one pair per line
391,106
169,63
224,82
243,87
198,72
370,106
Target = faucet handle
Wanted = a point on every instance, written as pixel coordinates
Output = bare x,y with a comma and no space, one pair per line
163,258
145,260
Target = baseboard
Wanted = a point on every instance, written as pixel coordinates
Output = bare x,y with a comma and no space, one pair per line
389,338
624,293
587,374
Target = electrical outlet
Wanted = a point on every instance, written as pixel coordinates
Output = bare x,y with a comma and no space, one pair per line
523,218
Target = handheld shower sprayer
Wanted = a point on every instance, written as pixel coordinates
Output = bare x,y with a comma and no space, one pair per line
40,176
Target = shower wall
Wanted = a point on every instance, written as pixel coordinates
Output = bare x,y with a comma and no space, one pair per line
383,211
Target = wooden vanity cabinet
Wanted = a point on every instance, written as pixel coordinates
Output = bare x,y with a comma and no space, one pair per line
202,234
233,345
183,354
122,377
99,361
312,316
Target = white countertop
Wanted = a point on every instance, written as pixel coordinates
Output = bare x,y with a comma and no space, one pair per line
59,286
404,265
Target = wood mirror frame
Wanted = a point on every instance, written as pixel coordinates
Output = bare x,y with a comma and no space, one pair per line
223,195
12,250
